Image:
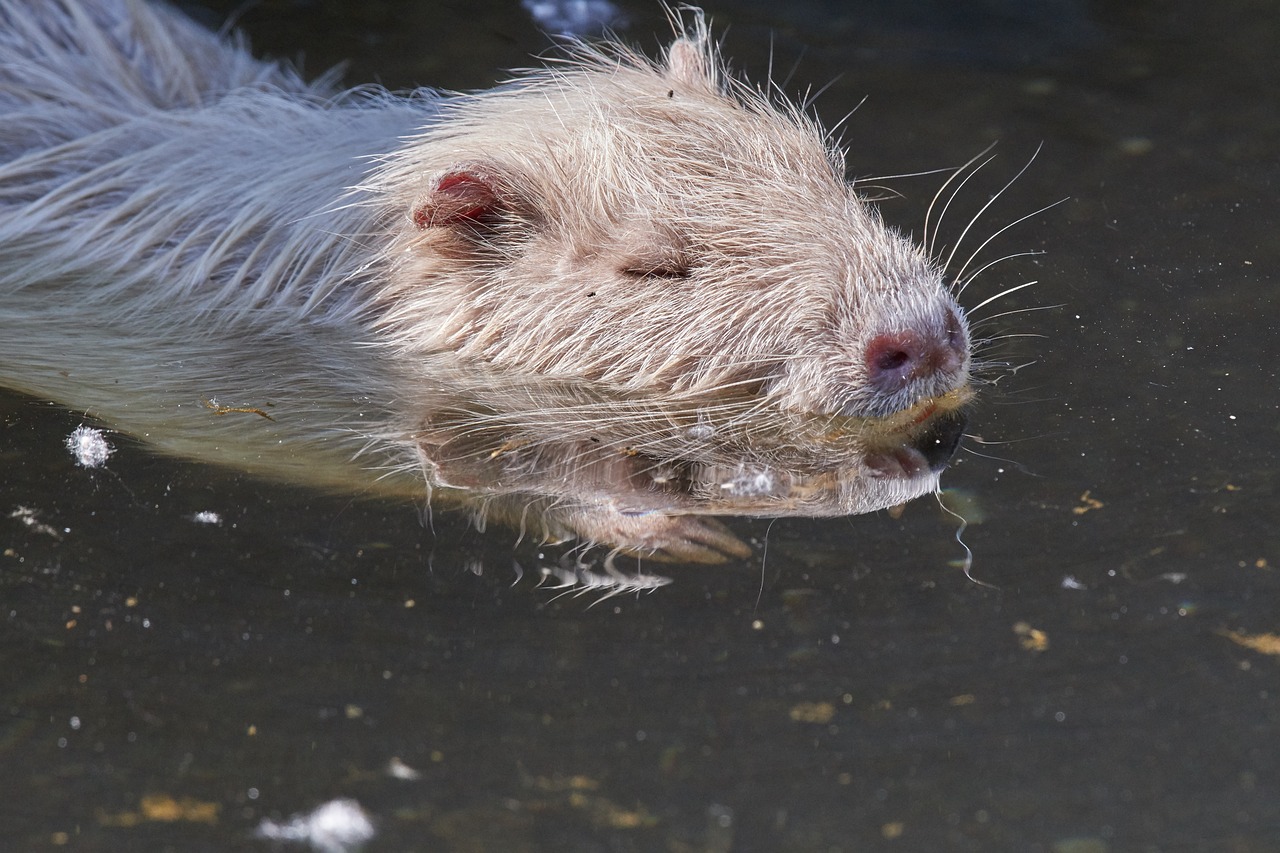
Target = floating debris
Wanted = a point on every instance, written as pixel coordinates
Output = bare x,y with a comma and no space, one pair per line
1031,639
162,808
812,712
1087,503
397,769
31,518
338,826
1267,644
89,447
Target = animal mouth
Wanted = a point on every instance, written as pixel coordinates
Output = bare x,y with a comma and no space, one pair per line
924,454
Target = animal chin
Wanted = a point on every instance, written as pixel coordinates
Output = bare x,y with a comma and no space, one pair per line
924,454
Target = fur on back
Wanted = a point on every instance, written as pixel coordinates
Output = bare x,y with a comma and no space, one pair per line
164,165
68,67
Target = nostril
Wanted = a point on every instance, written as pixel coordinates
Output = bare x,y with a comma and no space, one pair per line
894,359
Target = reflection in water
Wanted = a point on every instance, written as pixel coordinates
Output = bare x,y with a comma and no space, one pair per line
845,689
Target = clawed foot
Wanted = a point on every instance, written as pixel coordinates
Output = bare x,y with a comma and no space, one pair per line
669,538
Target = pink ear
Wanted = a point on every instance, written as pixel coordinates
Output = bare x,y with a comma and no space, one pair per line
463,197
689,63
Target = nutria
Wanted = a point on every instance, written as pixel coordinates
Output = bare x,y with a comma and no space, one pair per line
606,300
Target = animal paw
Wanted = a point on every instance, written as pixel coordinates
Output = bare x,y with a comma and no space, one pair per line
670,538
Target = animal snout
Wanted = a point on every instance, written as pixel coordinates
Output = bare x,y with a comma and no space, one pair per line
898,358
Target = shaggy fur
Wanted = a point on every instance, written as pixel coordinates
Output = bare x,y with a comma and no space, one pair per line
603,300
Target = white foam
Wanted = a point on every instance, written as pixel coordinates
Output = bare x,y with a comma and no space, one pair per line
338,826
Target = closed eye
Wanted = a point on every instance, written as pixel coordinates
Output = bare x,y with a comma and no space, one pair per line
670,269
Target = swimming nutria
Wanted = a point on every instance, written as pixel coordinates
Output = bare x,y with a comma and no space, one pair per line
606,300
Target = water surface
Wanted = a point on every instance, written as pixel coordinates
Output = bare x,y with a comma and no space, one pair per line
1111,684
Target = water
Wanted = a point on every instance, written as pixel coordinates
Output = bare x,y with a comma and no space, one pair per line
170,683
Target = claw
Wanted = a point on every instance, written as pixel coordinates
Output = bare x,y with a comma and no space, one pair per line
668,538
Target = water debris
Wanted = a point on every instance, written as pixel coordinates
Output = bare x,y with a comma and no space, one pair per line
1087,503
1267,644
338,826
812,712
1031,639
1070,582
89,447
397,769
162,808
219,409
31,518
206,516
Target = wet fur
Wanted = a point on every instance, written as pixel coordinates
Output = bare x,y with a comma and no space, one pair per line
616,351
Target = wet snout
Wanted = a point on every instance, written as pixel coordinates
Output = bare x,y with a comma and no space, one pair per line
900,358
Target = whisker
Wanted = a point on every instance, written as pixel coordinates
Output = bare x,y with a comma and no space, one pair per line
925,239
974,219
962,285
925,173
795,66
968,554
998,233
811,98
1012,463
984,303
1020,310
832,136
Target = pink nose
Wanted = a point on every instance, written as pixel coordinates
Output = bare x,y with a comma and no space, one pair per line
896,359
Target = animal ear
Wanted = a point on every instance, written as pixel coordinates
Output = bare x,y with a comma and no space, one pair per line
469,198
690,63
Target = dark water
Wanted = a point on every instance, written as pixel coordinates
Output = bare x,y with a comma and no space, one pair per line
168,684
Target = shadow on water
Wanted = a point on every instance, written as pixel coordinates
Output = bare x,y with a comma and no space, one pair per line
171,682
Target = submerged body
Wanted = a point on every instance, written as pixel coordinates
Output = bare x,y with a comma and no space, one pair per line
606,301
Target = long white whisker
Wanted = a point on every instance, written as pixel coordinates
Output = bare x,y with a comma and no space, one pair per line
988,342
995,317
1021,219
974,220
925,239
925,173
990,264
1000,295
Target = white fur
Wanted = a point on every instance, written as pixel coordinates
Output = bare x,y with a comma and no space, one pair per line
680,290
